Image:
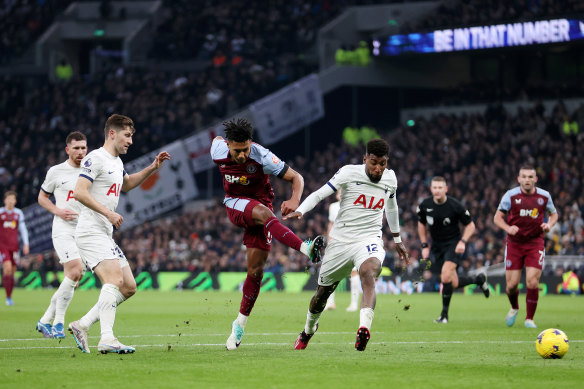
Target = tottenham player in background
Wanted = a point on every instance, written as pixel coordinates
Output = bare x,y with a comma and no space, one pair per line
443,214
98,189
246,168
368,191
530,212
60,183
11,224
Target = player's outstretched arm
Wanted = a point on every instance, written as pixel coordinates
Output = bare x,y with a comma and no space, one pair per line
133,180
297,188
310,202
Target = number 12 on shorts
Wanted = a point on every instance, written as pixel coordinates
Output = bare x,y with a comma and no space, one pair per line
372,248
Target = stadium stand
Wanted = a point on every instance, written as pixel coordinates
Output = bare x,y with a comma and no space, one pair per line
168,105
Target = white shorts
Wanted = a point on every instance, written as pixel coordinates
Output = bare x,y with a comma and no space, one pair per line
340,258
97,248
66,248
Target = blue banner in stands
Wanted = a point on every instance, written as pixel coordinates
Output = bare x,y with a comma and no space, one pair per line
481,37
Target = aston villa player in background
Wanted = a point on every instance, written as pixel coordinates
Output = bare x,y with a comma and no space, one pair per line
11,224
245,167
525,208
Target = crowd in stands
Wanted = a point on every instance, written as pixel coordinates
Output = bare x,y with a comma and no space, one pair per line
252,50
22,22
479,155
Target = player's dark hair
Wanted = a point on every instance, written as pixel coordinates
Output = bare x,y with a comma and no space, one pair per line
378,147
10,193
527,166
439,179
238,130
75,135
118,123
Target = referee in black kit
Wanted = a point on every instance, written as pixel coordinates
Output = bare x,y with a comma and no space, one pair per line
443,214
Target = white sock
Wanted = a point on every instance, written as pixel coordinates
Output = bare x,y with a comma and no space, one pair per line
241,320
107,310
64,297
355,286
50,312
366,317
331,299
90,317
304,249
311,322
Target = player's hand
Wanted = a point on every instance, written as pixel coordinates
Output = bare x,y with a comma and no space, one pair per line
67,214
25,249
512,230
294,214
115,219
545,227
289,206
160,158
460,247
403,252
426,252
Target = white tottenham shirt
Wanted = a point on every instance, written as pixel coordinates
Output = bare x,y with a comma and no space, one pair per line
362,203
106,172
60,182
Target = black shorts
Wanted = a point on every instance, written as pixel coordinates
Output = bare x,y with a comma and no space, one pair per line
441,252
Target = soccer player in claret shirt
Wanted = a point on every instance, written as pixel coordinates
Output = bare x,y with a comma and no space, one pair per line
525,209
60,183
245,167
11,224
98,187
368,191
443,214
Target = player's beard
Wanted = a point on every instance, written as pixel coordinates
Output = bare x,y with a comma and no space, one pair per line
374,179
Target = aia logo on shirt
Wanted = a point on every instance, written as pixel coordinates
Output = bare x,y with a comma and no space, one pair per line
362,200
533,213
114,190
70,196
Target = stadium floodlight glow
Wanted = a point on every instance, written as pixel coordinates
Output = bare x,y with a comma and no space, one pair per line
484,37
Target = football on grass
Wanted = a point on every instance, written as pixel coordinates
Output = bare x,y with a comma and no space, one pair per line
552,344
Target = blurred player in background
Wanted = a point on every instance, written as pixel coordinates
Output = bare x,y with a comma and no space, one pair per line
525,209
60,182
368,191
246,167
98,188
11,224
442,214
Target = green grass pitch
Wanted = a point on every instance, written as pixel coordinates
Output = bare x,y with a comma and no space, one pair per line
180,342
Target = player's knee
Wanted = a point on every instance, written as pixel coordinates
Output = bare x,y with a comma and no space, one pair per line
128,290
261,213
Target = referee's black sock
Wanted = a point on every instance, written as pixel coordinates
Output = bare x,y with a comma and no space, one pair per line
465,280
446,296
